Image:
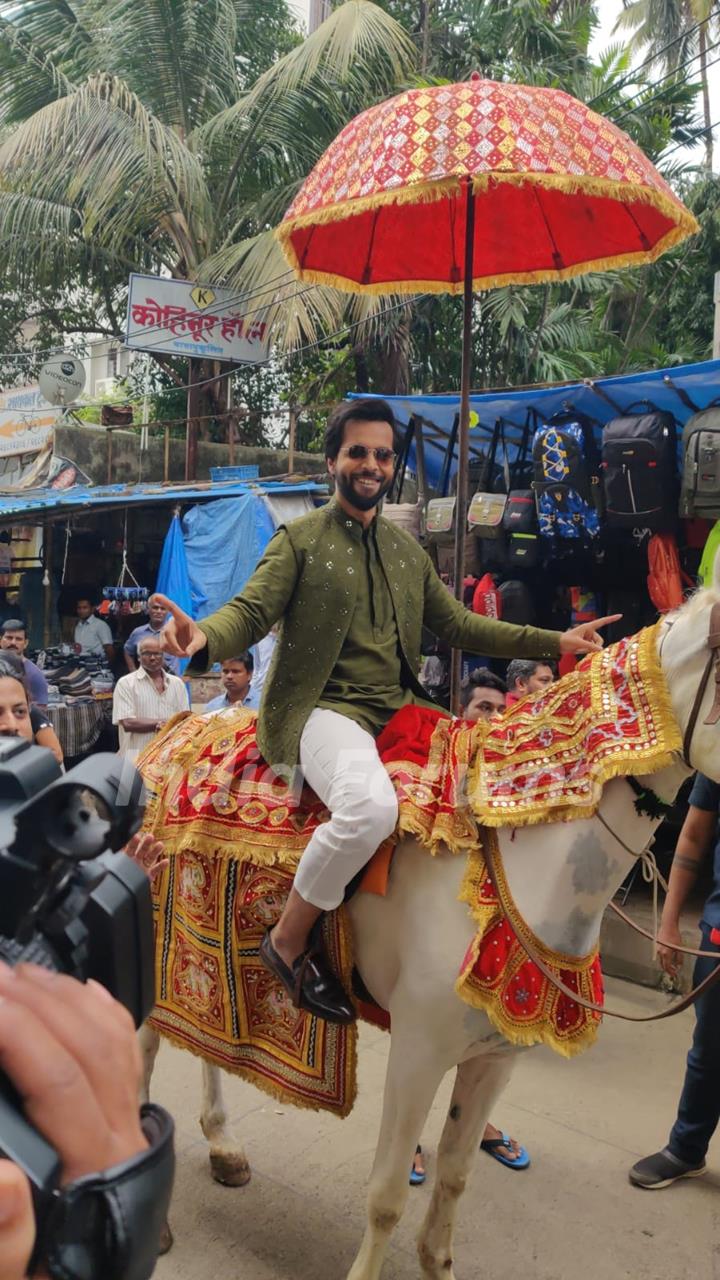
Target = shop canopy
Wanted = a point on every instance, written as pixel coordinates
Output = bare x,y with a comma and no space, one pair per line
35,506
682,389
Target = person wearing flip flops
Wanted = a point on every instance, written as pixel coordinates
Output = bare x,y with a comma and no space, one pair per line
482,697
699,1107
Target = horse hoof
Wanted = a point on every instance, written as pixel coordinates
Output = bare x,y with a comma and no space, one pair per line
166,1240
231,1171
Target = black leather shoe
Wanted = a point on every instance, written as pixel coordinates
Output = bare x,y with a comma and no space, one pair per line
310,983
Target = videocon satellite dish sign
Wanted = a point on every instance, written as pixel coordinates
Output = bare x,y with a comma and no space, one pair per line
62,379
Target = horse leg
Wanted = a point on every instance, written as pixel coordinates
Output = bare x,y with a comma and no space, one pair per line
227,1158
413,1075
479,1081
149,1041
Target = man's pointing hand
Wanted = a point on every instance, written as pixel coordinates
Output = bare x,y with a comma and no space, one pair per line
585,638
180,636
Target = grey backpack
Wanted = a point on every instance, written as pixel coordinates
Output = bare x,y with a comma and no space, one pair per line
700,491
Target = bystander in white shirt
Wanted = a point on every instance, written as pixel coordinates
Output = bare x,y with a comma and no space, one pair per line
137,697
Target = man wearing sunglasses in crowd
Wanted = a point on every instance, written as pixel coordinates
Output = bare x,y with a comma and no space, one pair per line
353,592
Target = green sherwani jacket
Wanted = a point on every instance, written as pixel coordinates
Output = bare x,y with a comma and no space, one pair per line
309,579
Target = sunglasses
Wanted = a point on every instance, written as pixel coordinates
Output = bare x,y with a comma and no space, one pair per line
360,451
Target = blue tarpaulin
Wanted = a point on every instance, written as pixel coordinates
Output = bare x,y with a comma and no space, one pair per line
173,579
223,542
663,388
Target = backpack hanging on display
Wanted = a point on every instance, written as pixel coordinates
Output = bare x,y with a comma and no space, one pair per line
639,470
486,511
566,478
516,603
521,527
700,488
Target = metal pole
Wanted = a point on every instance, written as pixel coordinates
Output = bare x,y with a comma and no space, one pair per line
464,426
716,330
48,590
166,452
292,438
191,429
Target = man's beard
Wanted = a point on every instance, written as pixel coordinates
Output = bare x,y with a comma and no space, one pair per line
361,501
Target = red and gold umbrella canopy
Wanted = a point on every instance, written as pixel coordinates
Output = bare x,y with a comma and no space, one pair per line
559,191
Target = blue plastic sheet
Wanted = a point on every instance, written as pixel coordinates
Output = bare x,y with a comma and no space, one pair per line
700,382
223,542
173,579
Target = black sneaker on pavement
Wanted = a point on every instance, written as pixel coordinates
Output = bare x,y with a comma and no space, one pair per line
658,1171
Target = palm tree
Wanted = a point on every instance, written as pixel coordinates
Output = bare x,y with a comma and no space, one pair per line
672,31
151,137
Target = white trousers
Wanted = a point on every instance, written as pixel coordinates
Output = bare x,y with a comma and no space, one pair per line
341,764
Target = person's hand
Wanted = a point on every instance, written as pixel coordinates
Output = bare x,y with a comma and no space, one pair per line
70,1050
17,1222
180,636
145,849
669,939
585,638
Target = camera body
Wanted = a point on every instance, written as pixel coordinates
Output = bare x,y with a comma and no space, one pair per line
69,902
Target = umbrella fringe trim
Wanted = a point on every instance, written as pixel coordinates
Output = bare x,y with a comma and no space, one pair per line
427,193
549,275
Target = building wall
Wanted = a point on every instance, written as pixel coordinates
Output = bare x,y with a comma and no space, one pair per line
88,447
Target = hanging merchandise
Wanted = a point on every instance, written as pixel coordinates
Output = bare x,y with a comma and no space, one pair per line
665,577
700,488
486,598
125,597
487,507
567,478
440,521
639,470
516,603
712,546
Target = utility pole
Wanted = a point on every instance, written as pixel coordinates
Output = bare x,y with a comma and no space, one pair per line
193,413
716,330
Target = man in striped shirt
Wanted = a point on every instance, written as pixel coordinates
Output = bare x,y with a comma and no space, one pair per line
144,700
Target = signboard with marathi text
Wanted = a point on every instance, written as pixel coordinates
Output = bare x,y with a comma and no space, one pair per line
187,319
27,428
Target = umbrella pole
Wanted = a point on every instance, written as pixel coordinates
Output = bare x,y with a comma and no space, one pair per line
464,427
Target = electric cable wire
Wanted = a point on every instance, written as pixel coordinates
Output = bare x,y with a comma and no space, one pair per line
655,57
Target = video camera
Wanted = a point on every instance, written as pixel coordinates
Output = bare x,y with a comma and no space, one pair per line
69,902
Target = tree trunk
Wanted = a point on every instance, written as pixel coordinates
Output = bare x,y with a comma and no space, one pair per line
395,360
702,35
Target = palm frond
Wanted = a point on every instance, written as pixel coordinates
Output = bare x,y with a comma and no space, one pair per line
359,41
99,150
178,54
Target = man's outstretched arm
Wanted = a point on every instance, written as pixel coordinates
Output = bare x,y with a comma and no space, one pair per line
243,620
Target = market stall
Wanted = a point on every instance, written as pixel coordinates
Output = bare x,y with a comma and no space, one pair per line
114,545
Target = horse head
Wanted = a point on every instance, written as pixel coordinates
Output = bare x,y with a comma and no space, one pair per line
689,652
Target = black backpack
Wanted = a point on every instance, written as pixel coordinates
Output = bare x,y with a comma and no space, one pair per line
639,470
700,489
516,603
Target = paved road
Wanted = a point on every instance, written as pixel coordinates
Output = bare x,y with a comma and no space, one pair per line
572,1214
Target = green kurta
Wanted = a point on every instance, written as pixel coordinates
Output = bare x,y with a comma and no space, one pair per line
367,682
352,612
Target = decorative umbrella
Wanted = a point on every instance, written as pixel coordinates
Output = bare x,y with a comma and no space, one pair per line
472,186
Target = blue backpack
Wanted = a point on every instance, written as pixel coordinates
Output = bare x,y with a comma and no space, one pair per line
566,478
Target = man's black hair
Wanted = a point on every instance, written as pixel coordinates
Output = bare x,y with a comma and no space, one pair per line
13,624
481,678
370,409
12,667
246,658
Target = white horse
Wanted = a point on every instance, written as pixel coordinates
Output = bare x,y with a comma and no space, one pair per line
561,877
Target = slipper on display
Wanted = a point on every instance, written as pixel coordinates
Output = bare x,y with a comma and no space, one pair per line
496,1147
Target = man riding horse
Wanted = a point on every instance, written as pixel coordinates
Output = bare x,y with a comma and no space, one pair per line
353,592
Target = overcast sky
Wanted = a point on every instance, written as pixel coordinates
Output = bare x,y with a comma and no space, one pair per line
608,11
